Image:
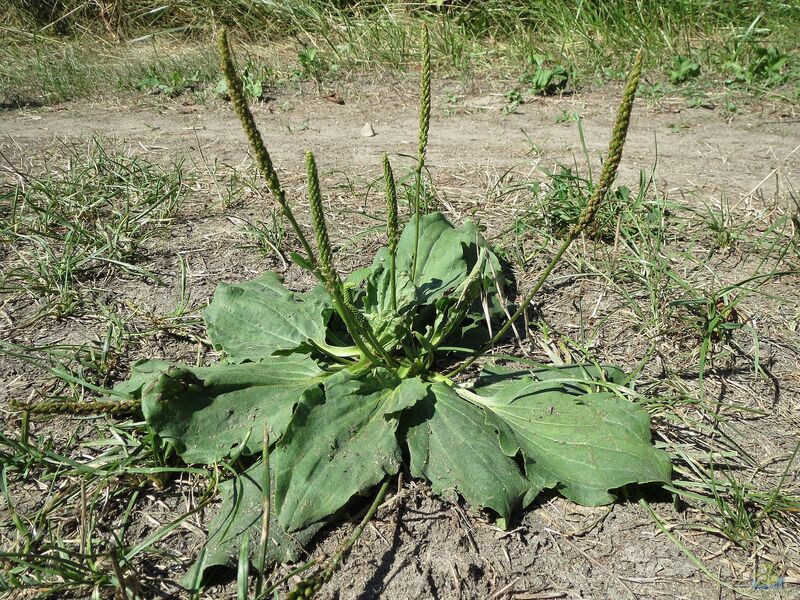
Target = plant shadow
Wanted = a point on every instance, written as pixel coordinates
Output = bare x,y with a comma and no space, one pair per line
378,580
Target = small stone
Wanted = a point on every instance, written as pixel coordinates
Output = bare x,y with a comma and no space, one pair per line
367,130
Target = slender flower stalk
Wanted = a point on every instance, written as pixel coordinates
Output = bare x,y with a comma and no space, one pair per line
263,160
424,126
323,269
326,269
607,176
618,137
357,325
391,226
424,98
309,586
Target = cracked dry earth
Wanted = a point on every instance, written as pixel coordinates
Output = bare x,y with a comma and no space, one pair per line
420,546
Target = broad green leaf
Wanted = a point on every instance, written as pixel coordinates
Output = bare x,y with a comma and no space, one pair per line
208,413
257,318
446,254
452,446
452,311
240,517
142,373
585,444
340,447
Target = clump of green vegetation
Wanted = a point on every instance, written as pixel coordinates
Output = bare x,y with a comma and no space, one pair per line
541,78
89,219
683,69
766,67
173,84
558,205
568,116
312,65
544,77
267,235
254,77
513,99
321,394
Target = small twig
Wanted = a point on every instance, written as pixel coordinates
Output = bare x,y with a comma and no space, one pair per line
581,532
208,168
527,323
486,314
503,304
541,596
763,181
503,590
84,517
467,528
456,577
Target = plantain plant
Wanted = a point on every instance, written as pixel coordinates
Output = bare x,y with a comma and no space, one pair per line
342,380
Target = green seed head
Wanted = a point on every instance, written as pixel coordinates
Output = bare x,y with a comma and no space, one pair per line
239,101
75,407
391,205
330,277
348,297
424,94
262,157
618,135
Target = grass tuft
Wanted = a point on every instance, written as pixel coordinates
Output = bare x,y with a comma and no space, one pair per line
82,222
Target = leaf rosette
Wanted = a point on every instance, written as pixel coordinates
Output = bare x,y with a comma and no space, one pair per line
340,425
342,382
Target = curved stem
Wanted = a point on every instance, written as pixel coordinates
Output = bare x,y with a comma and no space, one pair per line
522,306
344,550
390,361
352,327
607,176
343,355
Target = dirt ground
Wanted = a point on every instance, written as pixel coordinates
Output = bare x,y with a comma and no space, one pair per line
420,546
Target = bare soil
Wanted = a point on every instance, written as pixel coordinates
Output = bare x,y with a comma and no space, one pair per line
420,546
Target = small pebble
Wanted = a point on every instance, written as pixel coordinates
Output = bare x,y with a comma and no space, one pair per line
367,130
